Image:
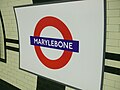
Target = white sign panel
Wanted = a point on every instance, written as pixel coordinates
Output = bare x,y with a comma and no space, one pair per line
63,42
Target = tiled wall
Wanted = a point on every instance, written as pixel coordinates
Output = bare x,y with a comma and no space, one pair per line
112,81
10,71
113,26
1,40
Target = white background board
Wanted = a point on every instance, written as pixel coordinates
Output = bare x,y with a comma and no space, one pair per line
85,20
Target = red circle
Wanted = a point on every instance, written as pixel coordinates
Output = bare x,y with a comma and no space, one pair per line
65,57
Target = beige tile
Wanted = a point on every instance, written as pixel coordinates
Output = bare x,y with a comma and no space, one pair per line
114,5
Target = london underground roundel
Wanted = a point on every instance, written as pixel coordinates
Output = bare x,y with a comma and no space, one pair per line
66,44
81,24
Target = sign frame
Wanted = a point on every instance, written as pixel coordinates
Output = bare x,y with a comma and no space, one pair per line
63,1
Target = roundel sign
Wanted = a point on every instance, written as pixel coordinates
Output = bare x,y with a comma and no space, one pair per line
67,44
79,36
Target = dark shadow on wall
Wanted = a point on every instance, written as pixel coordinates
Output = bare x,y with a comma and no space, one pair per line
51,1
6,86
41,1
46,84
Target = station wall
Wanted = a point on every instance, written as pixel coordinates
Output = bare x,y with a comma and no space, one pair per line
9,49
